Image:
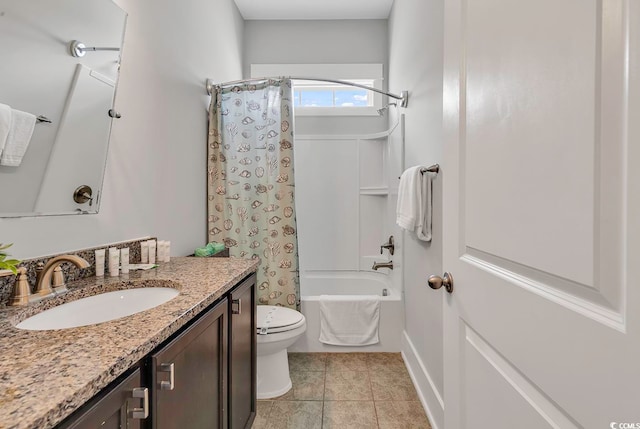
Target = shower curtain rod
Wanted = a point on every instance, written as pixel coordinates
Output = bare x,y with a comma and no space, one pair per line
403,97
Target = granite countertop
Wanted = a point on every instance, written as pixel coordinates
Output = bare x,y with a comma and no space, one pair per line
46,375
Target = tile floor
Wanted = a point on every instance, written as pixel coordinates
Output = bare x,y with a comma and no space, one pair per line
345,391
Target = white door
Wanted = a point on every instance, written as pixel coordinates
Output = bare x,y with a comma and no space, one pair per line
542,213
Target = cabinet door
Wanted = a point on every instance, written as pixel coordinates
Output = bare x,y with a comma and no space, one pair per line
122,407
242,355
189,375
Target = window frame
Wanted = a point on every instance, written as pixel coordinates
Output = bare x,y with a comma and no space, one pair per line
347,72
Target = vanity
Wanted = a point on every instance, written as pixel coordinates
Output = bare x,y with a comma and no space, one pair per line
187,363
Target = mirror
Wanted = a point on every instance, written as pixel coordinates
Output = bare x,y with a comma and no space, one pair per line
72,85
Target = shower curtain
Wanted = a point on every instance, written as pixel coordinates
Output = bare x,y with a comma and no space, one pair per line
250,183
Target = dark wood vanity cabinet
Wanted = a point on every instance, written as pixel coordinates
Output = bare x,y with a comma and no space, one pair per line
242,355
204,376
189,375
124,406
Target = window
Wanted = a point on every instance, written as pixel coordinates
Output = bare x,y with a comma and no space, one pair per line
319,98
325,94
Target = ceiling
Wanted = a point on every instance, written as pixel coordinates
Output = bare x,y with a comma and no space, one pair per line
314,9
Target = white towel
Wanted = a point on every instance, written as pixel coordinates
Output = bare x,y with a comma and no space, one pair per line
414,208
349,320
22,124
5,124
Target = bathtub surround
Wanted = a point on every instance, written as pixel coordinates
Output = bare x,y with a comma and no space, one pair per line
251,183
70,272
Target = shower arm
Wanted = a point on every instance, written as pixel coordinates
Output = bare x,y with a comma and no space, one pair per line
403,97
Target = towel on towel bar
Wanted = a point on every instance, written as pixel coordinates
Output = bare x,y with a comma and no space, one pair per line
349,320
20,132
5,124
414,208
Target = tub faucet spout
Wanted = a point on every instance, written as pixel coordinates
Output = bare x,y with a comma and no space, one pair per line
377,265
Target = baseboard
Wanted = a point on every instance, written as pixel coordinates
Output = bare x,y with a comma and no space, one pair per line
427,392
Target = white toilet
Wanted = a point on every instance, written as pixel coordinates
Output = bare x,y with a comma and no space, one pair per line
278,328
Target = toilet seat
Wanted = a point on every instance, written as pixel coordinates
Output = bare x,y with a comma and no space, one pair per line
273,319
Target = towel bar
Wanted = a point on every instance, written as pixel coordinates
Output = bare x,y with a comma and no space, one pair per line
435,168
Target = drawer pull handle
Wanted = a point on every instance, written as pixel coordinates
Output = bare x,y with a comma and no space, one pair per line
141,413
236,306
170,368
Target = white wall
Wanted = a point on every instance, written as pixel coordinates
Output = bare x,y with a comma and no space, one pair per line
415,64
320,42
155,182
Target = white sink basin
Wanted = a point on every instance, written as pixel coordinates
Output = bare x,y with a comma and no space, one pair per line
99,308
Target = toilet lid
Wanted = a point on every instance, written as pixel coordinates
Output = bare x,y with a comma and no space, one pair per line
277,319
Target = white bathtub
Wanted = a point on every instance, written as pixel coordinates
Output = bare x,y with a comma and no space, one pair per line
350,283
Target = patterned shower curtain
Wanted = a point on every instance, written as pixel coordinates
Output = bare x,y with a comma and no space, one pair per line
251,190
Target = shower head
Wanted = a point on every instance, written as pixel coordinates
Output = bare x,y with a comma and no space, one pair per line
385,108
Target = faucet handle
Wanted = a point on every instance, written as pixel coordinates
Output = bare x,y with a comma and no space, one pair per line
21,290
58,284
388,245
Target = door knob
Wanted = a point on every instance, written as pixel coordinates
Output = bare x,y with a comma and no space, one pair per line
436,282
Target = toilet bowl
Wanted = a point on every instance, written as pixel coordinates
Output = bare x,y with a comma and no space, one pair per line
278,328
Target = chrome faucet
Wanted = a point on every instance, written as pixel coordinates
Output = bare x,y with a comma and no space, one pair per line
52,271
377,265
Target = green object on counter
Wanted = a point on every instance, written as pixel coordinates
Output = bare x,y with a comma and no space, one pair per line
210,249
